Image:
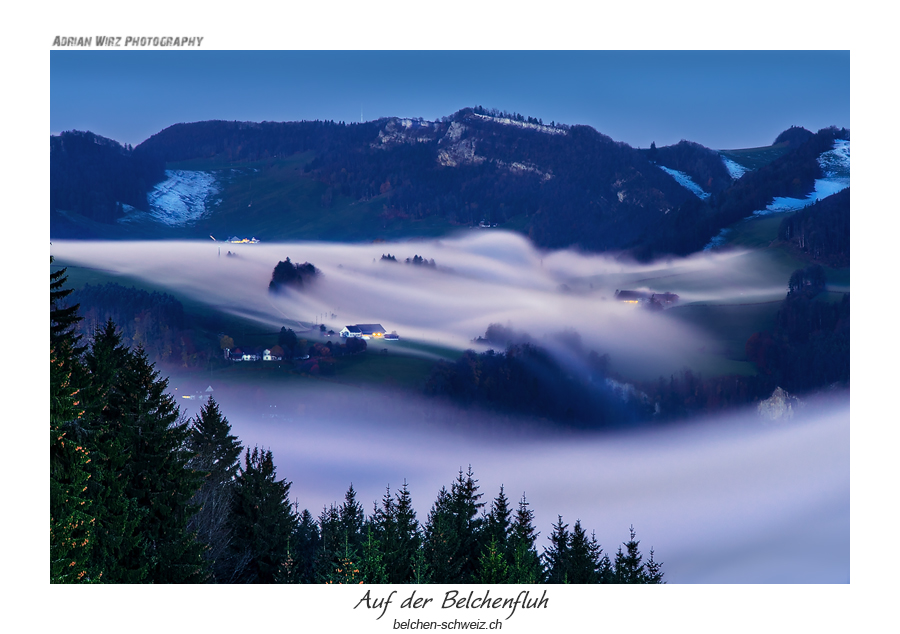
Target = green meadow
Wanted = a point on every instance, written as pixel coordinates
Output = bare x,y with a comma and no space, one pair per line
754,158
275,200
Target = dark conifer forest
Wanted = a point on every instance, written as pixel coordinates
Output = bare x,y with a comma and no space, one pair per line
809,347
140,494
703,165
821,231
94,176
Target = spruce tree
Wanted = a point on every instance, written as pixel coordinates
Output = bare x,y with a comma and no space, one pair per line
343,535
525,566
466,506
330,544
119,552
497,525
605,572
629,566
492,566
557,555
71,510
372,564
398,534
304,544
71,520
440,542
453,532
346,569
584,557
63,319
261,520
352,520
405,567
216,457
384,525
653,570
157,475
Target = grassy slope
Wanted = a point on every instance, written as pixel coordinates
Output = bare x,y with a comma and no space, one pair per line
276,200
754,158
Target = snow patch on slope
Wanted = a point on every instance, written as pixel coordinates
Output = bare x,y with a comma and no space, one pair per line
835,164
183,198
735,170
685,181
718,240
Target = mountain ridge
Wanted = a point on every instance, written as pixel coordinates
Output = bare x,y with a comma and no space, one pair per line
562,185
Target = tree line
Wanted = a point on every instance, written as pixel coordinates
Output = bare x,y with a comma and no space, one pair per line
152,320
139,494
809,345
703,165
529,379
821,232
94,176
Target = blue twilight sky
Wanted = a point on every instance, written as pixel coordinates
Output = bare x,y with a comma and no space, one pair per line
721,99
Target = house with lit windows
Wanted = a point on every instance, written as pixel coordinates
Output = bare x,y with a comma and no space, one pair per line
364,331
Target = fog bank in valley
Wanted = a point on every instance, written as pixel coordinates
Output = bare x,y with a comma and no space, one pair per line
728,500
481,277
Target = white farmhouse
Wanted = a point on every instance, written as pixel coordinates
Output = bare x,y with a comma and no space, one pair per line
365,331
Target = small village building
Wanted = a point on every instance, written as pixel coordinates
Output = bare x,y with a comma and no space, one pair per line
252,355
665,300
632,297
271,355
365,331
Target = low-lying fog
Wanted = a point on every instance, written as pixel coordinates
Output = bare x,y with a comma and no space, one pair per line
731,500
480,278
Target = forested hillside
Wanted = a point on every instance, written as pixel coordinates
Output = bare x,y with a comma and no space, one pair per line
562,185
94,176
821,231
154,321
792,175
704,166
